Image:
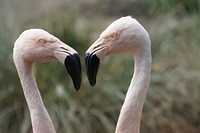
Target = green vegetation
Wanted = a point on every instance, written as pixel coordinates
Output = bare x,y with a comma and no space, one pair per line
172,103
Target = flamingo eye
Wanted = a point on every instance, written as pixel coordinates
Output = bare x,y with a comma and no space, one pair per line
42,41
113,36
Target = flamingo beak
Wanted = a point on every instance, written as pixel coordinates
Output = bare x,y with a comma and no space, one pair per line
69,57
73,66
92,65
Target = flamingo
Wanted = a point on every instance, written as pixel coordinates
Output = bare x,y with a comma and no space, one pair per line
125,35
37,45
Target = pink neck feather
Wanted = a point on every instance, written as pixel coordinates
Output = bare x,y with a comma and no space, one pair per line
131,111
40,118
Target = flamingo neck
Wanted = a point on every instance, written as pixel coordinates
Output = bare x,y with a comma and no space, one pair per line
41,121
131,111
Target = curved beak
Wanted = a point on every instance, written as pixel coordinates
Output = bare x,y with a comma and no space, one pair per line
73,65
92,65
96,52
69,57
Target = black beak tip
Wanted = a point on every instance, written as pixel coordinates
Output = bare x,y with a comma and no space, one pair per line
92,65
93,83
77,87
73,65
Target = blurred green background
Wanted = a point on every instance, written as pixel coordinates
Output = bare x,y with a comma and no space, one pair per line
173,101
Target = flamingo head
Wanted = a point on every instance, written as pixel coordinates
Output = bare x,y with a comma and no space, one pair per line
123,35
37,45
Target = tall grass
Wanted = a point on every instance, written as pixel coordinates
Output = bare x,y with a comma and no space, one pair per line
173,96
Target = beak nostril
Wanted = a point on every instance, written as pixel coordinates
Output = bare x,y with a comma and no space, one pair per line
64,48
98,47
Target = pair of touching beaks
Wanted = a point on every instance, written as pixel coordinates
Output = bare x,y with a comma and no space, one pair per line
104,45
73,65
